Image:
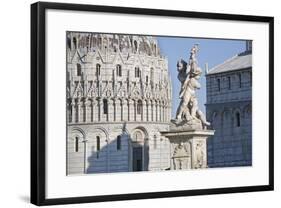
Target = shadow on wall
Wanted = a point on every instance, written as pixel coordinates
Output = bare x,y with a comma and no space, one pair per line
125,153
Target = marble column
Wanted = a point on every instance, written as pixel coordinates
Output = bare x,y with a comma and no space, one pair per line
78,109
131,110
110,110
72,106
100,109
152,111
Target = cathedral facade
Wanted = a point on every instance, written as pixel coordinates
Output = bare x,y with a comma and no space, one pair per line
229,109
118,102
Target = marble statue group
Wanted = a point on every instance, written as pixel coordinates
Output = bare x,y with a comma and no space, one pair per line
188,112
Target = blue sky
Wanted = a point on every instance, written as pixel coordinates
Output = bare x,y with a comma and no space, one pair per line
211,51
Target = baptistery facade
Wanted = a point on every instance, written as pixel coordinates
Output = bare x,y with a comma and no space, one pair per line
118,101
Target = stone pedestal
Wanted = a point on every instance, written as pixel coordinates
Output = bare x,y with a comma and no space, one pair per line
188,148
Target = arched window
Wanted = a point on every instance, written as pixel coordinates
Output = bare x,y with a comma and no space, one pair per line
119,70
98,70
98,143
76,144
238,122
229,82
240,80
105,106
219,84
146,78
136,46
137,72
138,137
139,107
118,142
79,71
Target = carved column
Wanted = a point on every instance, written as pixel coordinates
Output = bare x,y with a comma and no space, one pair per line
72,108
160,111
131,110
121,110
110,111
89,110
152,111
156,111
82,109
163,113
147,111
92,110
78,107
125,109
100,109
115,110
142,109
135,110
85,110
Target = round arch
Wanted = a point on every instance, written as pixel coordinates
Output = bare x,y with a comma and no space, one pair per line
80,130
94,131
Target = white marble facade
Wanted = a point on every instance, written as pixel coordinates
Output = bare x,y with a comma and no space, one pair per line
118,102
229,108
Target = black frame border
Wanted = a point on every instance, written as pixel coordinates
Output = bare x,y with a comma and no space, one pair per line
38,102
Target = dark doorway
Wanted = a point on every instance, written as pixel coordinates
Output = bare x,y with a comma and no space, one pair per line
137,159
